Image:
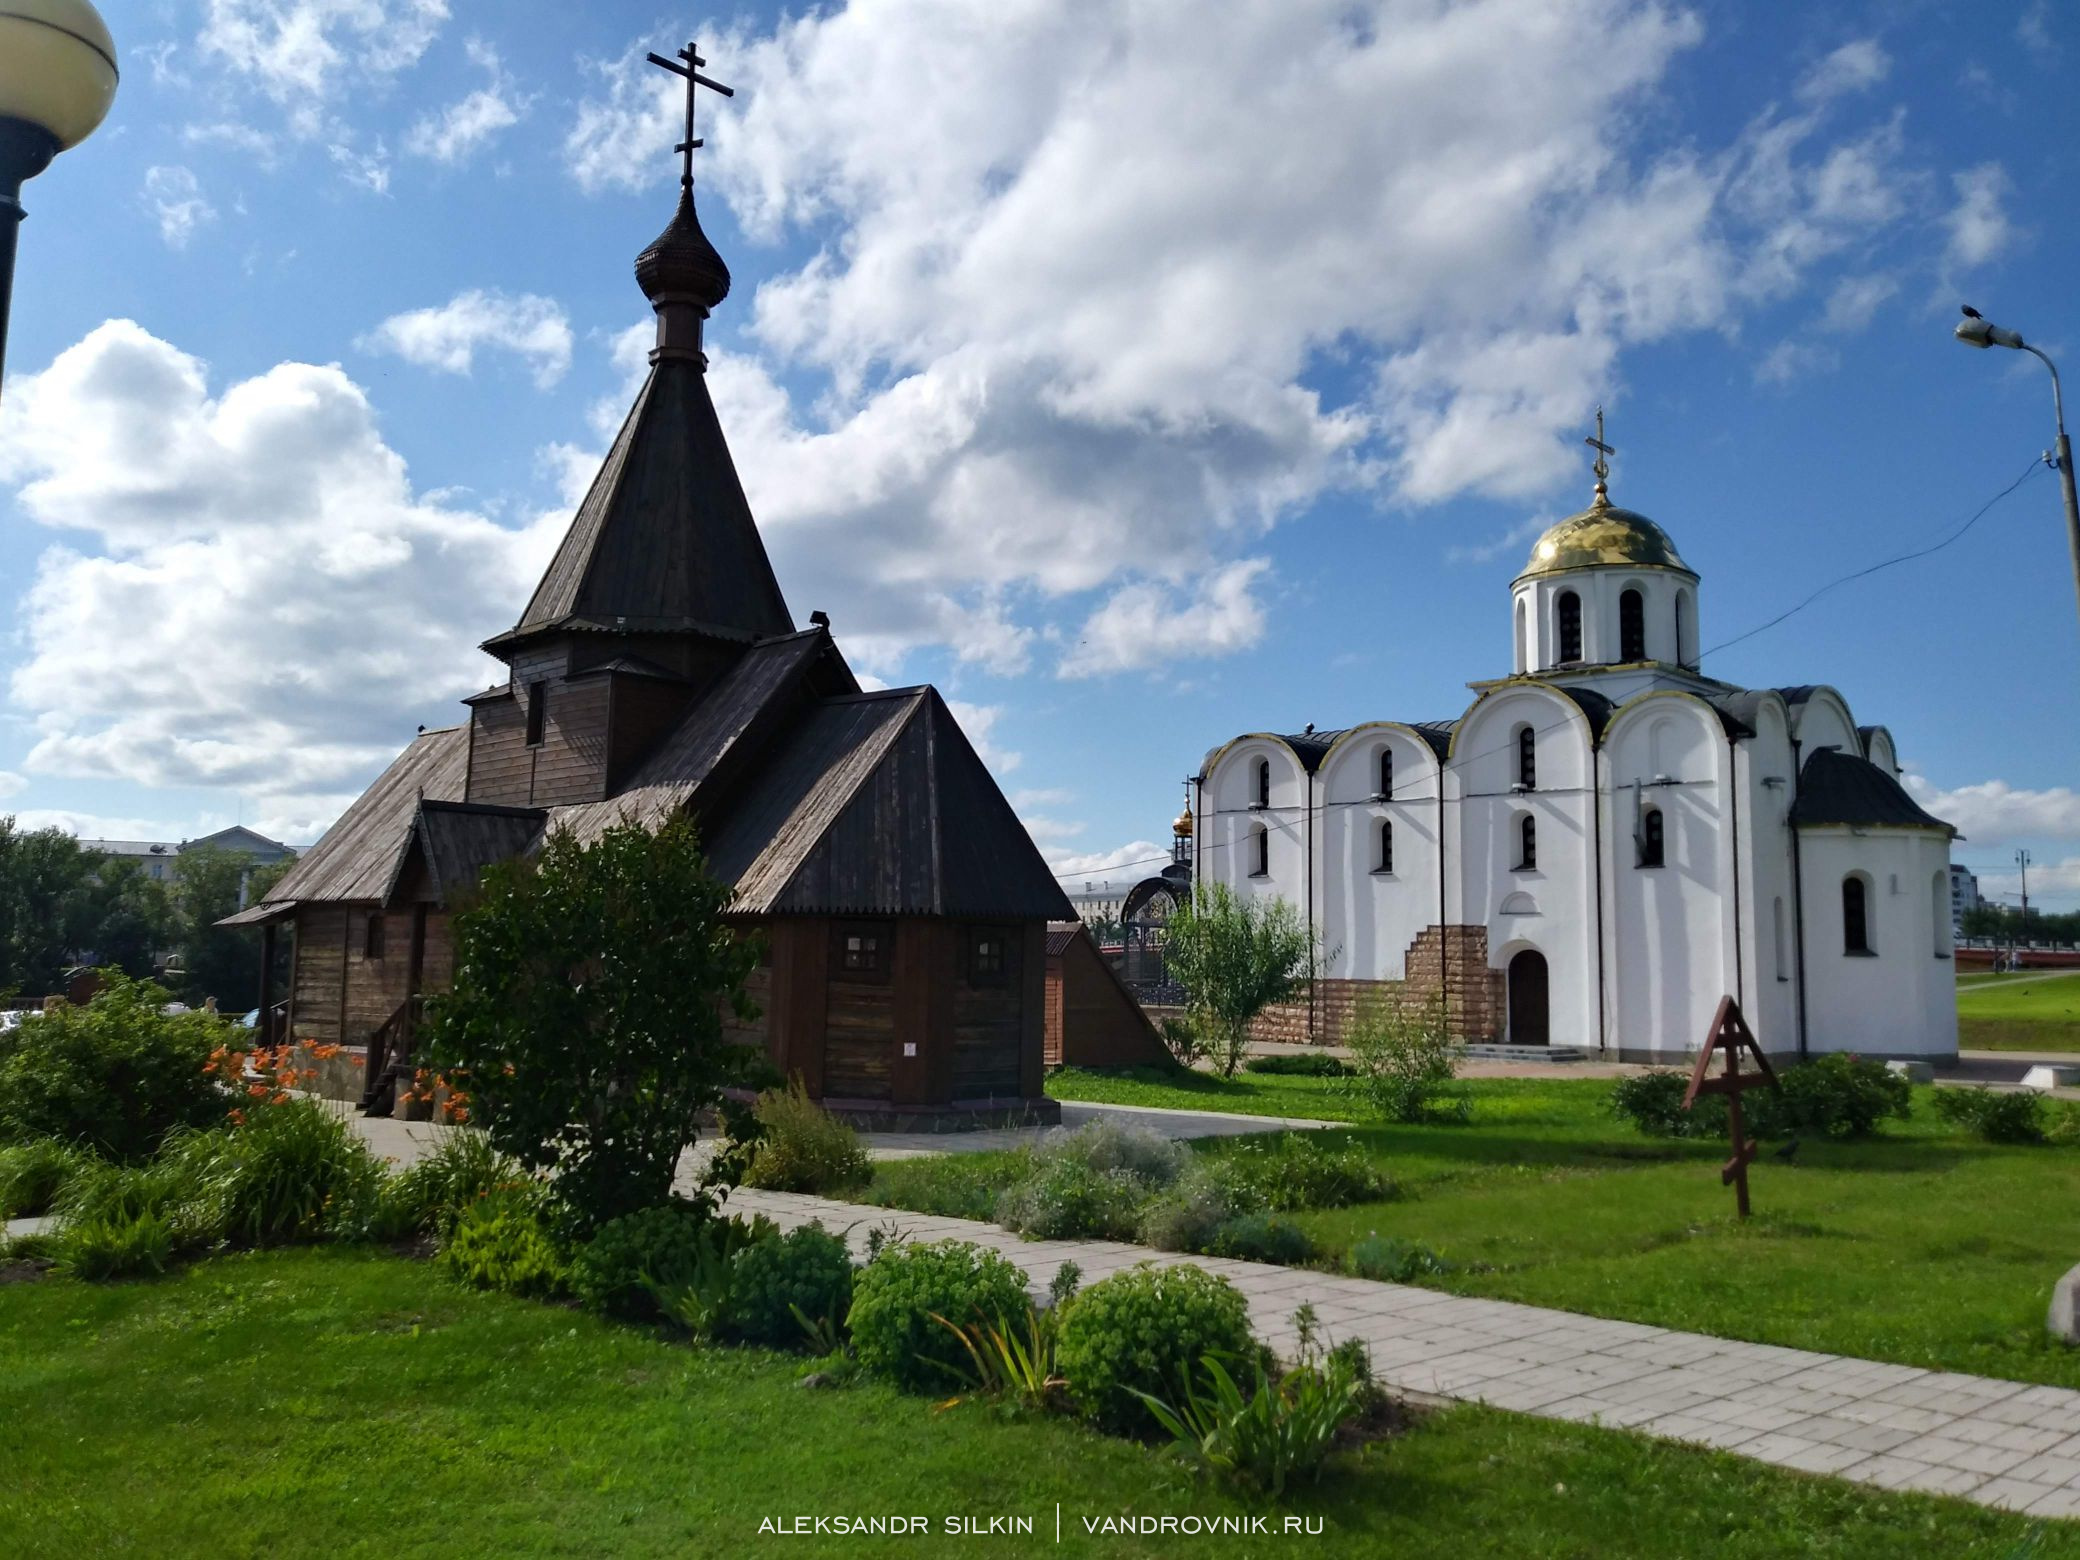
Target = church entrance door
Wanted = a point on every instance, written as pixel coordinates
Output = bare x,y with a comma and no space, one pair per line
1527,999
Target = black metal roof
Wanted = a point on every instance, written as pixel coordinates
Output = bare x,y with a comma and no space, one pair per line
457,840
1842,788
1312,746
664,541
1438,733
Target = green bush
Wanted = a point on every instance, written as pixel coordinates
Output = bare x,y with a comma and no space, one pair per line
116,1076
783,1288
1403,1062
1996,1115
1653,1102
1390,1259
117,1245
805,1148
1189,1214
291,1171
614,1271
896,1296
1113,1146
32,1175
1263,1237
2064,1129
696,1290
503,1241
1291,1171
1146,1330
1067,1200
1836,1095
172,1190
1259,1439
428,1196
952,1186
1300,1064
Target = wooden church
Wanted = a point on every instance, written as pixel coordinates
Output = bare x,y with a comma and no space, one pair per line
657,671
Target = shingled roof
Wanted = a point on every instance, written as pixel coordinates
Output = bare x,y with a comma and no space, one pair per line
1840,788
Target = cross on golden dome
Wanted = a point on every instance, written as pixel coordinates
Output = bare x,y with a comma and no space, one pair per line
1602,468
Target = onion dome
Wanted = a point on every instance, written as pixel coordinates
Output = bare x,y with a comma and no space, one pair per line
1183,827
681,263
1603,534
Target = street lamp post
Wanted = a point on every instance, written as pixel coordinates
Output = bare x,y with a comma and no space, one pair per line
1975,330
57,79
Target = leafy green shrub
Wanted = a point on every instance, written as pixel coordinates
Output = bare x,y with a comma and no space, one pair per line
1653,1102
1182,1038
1190,1213
1117,1147
805,1148
1145,1330
1403,1062
32,1175
2064,1129
614,1271
1263,1237
1235,955
1257,1440
503,1241
117,1244
172,1189
1996,1115
1390,1259
1836,1095
1291,1171
788,1289
699,1294
897,1295
1015,1358
1300,1064
116,1076
291,1171
1066,1200
428,1196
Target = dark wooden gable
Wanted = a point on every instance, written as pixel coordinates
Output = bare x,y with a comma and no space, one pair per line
453,842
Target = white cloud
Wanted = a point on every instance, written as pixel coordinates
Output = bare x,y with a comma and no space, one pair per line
1855,300
1508,542
235,134
977,722
2033,28
1047,348
1042,796
1145,624
176,200
1978,224
252,597
1856,66
1130,862
1789,361
460,130
449,337
369,170
2051,880
1993,811
304,55
11,784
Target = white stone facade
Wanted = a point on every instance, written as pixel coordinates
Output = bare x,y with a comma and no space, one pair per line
1688,839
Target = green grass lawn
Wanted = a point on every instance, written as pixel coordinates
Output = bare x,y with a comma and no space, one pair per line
2017,1013
346,1403
1923,1246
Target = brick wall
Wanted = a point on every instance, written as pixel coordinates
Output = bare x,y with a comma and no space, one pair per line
1452,960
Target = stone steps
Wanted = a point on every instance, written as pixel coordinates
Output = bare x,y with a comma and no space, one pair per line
1484,1052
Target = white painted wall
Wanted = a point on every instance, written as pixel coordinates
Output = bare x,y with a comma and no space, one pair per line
1368,918
1901,999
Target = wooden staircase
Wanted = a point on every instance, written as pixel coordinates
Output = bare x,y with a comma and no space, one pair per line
390,1050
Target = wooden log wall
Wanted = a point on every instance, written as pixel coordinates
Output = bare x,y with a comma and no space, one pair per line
318,975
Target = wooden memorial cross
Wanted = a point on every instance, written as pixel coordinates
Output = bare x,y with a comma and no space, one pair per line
1731,1036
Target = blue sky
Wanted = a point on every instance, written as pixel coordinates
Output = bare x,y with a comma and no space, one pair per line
1139,374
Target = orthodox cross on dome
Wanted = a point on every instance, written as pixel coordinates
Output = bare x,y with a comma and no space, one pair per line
1604,452
694,82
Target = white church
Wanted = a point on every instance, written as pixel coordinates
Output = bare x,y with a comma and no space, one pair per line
1607,841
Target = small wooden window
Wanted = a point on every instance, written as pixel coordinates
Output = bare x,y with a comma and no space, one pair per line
1527,844
1527,758
1651,847
1260,852
537,712
372,938
1856,926
987,955
860,950
1386,774
1386,845
1632,627
1570,610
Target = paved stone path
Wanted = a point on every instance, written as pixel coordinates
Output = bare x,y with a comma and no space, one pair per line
1999,1443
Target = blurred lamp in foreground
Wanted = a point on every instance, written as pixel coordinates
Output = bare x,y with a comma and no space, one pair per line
57,79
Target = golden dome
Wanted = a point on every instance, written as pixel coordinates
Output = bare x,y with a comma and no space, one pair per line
1183,827
1603,534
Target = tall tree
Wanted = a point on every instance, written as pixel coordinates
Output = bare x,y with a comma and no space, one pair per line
40,872
118,917
1235,957
216,961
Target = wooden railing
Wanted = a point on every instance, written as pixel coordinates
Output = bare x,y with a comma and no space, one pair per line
389,1058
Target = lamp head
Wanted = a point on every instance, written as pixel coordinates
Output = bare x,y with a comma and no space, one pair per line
57,69
1975,330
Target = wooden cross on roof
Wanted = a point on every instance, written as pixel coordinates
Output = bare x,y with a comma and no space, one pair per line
691,70
1730,1038
1604,452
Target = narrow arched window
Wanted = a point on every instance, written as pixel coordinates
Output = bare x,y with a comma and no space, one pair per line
1260,852
1939,912
1686,630
1527,843
1650,845
1386,774
1523,637
1856,926
1527,758
1570,609
1632,626
1263,782
1386,845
